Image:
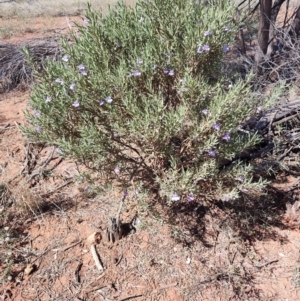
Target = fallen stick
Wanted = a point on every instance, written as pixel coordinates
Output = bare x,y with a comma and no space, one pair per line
77,276
265,264
131,297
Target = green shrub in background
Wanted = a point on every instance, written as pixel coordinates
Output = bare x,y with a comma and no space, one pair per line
141,89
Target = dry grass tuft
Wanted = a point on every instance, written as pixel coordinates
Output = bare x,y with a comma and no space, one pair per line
24,199
292,215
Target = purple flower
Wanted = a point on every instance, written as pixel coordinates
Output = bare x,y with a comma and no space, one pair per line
83,72
205,111
108,99
225,48
226,137
166,70
37,113
207,33
76,104
212,153
116,135
226,198
59,81
72,87
139,61
65,58
48,99
86,22
38,129
117,170
206,48
227,29
240,179
216,127
259,109
171,73
136,73
190,198
200,49
58,150
81,67
175,197
136,192
101,102
125,193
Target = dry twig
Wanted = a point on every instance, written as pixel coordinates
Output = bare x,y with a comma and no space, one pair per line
265,264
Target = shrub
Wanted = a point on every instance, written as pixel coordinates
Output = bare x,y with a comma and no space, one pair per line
140,90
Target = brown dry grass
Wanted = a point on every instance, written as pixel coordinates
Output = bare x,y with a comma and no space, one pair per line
24,199
19,18
38,8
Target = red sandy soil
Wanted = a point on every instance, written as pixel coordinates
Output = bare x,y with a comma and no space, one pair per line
41,27
192,257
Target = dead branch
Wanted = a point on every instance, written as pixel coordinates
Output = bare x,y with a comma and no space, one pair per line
263,33
78,268
265,264
14,68
277,115
288,116
131,297
274,13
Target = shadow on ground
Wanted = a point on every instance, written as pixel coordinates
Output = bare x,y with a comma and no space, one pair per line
251,218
